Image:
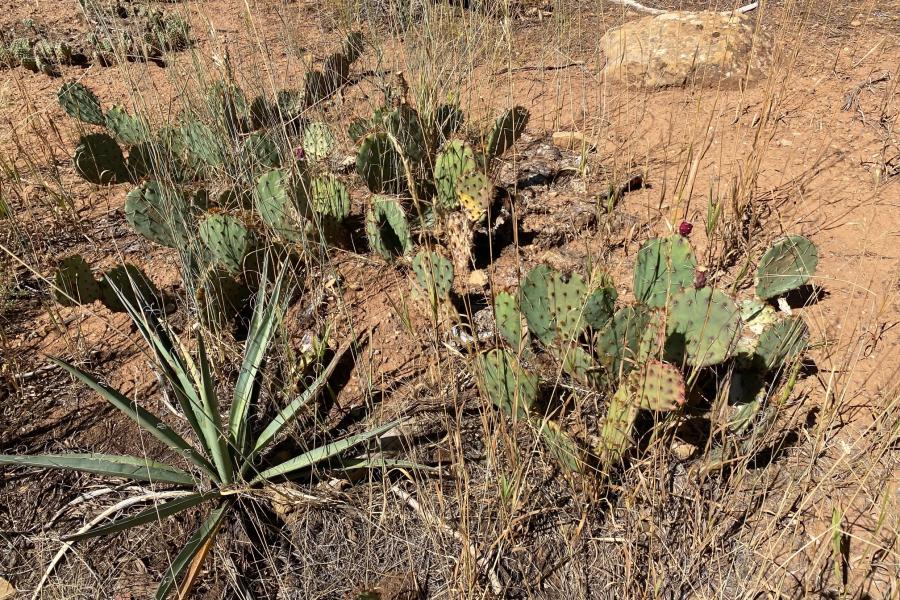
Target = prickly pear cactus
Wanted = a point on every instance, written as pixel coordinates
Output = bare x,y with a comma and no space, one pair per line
317,141
406,127
261,150
276,207
434,275
380,166
780,343
535,302
506,131
228,240
81,103
474,192
201,143
703,326
330,197
618,345
387,228
127,129
160,215
132,284
600,306
664,266
509,320
567,298
786,266
580,365
562,446
615,432
657,386
460,237
448,118
99,160
455,160
74,283
506,383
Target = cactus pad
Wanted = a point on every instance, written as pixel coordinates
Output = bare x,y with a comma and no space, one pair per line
261,150
786,266
618,345
506,383
406,127
456,160
387,228
567,298
657,386
133,284
128,129
474,192
434,274
600,306
317,141
158,215
201,143
509,319
535,303
228,240
664,266
781,343
81,103
276,207
615,431
506,131
379,165
563,447
99,160
74,282
702,328
330,197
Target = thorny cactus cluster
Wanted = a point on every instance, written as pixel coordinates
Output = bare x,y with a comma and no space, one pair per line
648,355
271,202
418,173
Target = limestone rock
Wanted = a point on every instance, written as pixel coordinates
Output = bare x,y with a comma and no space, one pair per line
687,48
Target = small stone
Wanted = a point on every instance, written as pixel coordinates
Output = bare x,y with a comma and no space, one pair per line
855,23
478,279
572,140
7,591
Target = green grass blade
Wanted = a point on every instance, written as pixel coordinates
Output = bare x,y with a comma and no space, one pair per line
147,420
289,412
111,465
151,515
209,419
321,453
184,558
262,325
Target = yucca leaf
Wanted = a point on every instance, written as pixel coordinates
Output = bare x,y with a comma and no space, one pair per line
321,453
153,514
208,529
262,325
289,412
112,465
209,419
150,422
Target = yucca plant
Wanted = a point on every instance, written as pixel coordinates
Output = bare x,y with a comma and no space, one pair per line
225,458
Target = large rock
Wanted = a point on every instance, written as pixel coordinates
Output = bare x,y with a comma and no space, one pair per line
681,48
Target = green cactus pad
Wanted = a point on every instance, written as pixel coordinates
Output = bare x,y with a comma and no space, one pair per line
506,383
99,160
228,240
317,141
475,193
261,151
379,165
580,365
434,274
329,197
160,215
127,129
563,447
276,206
81,103
600,306
456,160
406,127
567,298
703,326
664,266
657,386
448,118
535,303
133,284
201,143
782,342
509,319
615,431
786,266
618,345
358,129
387,228
506,131
74,282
